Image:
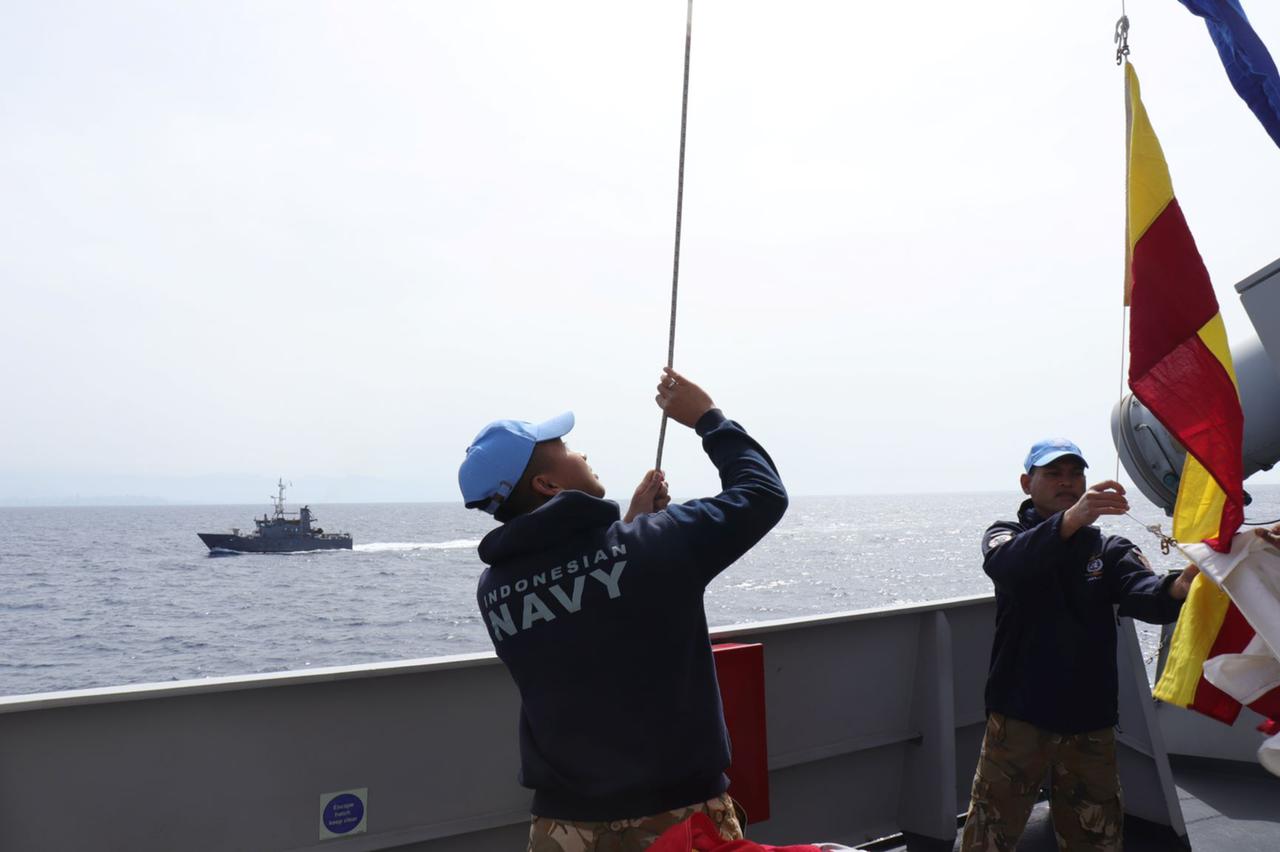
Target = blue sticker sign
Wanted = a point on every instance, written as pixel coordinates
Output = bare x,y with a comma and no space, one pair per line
343,813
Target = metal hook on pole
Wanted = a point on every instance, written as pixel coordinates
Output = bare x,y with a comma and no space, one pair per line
1122,39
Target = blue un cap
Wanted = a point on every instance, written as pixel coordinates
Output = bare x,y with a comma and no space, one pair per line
1051,449
498,456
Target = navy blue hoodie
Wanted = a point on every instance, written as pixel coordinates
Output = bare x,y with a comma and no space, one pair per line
602,627
1053,662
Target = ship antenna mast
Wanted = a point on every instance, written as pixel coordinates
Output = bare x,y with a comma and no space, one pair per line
280,498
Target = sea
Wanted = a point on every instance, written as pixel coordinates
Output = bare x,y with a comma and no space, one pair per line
106,596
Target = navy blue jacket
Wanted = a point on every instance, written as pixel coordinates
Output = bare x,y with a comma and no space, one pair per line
602,627
1053,662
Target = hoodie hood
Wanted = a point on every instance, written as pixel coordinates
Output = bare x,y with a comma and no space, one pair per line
548,526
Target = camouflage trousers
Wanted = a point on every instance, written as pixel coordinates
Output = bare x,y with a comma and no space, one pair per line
627,835
1084,788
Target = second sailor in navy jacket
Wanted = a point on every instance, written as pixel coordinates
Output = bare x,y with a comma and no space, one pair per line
1058,580
1053,661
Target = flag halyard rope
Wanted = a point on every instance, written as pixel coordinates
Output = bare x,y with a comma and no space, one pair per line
675,264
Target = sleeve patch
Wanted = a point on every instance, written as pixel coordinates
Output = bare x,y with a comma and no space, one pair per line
998,539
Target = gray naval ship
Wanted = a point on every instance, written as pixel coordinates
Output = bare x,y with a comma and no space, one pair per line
278,533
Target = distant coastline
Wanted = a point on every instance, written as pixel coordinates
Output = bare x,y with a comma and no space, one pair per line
78,501
28,490
125,501
1265,491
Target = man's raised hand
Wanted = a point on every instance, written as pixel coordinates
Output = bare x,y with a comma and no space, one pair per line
682,400
1105,498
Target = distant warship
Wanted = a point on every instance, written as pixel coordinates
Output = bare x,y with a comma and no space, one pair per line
279,534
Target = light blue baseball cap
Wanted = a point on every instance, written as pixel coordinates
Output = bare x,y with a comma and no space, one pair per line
498,456
1051,449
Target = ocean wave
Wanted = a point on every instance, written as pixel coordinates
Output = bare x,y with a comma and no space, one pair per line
390,546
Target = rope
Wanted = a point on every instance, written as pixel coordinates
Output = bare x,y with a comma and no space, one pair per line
1151,658
1167,542
675,265
1122,50
1124,327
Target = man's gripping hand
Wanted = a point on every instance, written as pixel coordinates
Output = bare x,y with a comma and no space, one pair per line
1105,498
1181,587
651,496
1272,536
682,400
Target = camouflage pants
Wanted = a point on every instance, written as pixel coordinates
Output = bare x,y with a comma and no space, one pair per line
627,835
1084,788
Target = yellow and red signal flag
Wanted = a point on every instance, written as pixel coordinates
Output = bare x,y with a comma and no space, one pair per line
1180,369
1209,626
1225,652
1179,362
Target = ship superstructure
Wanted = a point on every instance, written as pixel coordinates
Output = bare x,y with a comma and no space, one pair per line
280,532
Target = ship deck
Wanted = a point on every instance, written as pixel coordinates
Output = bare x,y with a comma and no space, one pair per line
1226,805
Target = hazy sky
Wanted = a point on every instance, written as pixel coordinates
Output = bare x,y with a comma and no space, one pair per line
329,241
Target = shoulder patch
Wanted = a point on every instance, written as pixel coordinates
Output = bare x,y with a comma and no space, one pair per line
999,539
